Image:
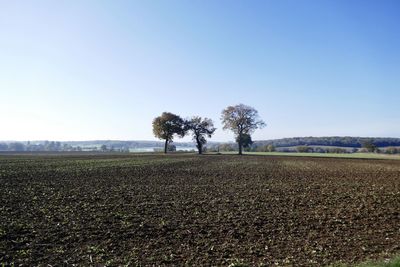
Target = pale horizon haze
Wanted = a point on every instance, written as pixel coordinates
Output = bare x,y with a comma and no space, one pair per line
102,70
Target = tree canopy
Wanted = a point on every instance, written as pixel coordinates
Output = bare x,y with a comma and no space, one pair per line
246,140
241,119
167,126
200,128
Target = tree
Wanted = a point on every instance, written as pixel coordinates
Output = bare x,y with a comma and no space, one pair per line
241,119
226,147
369,145
392,150
304,149
166,126
271,148
200,128
103,148
264,148
246,140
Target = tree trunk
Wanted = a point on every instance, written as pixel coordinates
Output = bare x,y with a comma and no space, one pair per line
240,144
166,146
199,145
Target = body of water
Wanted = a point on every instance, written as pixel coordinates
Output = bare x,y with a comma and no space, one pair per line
152,149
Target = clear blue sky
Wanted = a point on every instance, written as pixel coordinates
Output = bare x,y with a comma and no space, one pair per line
81,70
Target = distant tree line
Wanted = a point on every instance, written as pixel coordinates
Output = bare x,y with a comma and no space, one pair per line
42,146
105,148
93,146
337,141
248,145
56,146
228,147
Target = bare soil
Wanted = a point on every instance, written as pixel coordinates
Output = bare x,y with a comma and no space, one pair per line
196,210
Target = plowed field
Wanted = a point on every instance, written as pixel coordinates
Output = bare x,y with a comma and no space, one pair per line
196,210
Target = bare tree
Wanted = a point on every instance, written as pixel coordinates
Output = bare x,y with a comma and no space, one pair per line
200,128
241,119
166,126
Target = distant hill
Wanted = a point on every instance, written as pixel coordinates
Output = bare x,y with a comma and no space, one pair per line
336,141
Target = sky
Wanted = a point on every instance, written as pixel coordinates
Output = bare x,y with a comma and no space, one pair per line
90,70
